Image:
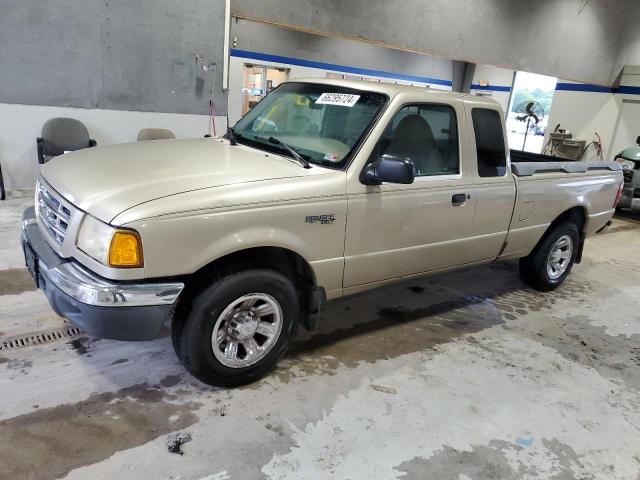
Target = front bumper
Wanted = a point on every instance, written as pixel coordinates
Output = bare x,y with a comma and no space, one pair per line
101,307
631,192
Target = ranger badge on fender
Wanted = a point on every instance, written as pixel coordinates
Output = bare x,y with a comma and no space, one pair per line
324,219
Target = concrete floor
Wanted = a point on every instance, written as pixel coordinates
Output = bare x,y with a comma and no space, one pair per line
464,376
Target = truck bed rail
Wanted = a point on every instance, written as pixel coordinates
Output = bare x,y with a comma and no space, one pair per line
525,164
526,169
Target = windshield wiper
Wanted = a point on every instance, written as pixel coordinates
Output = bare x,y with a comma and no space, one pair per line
231,136
303,161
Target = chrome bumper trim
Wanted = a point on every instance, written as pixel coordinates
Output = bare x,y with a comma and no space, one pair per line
85,287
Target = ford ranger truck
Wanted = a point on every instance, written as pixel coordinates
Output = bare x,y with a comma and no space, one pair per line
324,189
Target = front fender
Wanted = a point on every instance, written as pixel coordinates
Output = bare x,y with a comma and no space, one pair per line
182,244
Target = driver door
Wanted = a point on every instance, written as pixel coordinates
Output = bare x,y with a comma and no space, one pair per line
395,230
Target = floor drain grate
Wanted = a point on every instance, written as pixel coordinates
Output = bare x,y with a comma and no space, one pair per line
38,338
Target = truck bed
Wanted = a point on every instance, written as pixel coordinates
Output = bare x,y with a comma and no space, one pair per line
525,164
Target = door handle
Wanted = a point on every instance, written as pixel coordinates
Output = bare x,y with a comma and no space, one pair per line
459,199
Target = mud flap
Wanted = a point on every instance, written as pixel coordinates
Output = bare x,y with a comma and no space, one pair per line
580,248
317,297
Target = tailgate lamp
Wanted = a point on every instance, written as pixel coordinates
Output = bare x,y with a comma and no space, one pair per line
619,194
126,250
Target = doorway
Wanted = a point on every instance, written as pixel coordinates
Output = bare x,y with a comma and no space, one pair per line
528,112
258,81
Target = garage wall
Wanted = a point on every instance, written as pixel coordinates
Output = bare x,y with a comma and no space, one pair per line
21,124
586,108
258,37
627,127
113,54
313,56
493,82
535,37
630,54
107,63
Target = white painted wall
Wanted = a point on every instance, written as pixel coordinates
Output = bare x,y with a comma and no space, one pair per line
583,114
21,124
612,115
494,76
627,126
236,65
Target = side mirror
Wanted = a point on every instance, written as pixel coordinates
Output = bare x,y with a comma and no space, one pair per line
391,169
638,140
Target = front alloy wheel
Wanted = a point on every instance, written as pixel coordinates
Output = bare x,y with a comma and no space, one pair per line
235,330
246,330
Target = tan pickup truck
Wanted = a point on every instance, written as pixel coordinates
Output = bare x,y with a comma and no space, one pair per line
326,188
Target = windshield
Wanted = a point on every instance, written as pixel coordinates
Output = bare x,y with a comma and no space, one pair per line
322,123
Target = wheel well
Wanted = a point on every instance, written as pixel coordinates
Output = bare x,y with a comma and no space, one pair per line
287,262
577,215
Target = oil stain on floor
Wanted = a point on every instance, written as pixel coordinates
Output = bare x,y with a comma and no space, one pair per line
51,442
16,280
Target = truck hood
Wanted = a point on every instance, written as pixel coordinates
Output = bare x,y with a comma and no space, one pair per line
106,181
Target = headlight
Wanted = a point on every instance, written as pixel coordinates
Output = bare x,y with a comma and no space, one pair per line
110,246
626,164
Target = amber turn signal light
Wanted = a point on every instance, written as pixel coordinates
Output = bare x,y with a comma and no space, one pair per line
126,250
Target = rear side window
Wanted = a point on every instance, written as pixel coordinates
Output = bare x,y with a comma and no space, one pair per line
492,158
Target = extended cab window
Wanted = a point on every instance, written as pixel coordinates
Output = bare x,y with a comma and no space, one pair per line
427,134
322,123
492,158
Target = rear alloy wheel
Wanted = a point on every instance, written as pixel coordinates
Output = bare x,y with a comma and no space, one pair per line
559,257
551,260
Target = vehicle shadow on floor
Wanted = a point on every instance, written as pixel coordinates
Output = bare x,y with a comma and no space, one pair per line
419,314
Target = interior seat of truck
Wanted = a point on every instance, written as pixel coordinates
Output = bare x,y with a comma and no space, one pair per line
414,138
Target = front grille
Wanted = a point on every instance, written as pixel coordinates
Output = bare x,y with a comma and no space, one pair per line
54,216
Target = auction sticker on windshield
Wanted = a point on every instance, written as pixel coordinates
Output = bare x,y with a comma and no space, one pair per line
344,99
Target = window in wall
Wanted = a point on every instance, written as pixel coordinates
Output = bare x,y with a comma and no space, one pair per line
425,133
534,93
492,159
258,81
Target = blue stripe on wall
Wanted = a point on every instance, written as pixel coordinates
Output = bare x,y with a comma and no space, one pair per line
495,88
588,87
569,87
628,90
338,68
583,87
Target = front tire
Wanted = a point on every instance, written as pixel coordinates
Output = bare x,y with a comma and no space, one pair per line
546,267
238,328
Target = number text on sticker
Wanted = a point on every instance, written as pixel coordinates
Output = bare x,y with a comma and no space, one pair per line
343,99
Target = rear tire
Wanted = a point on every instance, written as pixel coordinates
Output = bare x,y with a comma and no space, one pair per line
546,267
237,329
